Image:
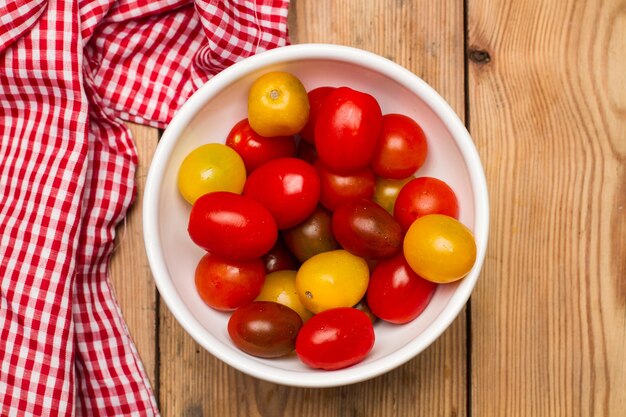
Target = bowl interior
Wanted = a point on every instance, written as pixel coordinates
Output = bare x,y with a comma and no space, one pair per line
216,113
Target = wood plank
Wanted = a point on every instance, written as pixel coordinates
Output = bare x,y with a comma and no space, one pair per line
547,94
130,273
427,37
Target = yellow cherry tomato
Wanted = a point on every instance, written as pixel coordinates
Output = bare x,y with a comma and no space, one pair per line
209,168
278,105
280,287
332,279
386,192
439,248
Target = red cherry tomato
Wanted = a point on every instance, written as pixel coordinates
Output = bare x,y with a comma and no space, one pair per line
335,338
279,258
288,187
397,294
337,189
422,196
226,285
401,147
231,226
265,329
365,229
316,98
347,129
255,149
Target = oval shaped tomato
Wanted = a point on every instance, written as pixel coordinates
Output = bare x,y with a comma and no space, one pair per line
312,236
335,339
264,329
254,149
347,129
365,229
280,287
401,147
336,189
288,187
231,226
386,192
279,258
209,168
439,248
278,104
396,293
332,279
316,99
225,285
422,196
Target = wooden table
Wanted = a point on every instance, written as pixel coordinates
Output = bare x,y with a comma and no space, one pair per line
541,86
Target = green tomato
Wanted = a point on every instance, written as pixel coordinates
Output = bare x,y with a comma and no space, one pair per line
386,192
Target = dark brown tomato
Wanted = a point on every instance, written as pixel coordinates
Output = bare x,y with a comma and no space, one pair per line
365,229
265,329
279,258
312,236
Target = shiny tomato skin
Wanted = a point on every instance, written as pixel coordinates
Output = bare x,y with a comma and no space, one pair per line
225,285
254,149
347,129
312,236
336,189
288,187
401,149
335,339
365,229
316,99
231,226
396,293
265,329
422,196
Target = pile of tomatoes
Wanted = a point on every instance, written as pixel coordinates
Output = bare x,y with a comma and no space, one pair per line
315,226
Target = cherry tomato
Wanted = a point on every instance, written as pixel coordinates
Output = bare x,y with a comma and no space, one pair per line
386,192
335,339
255,149
231,226
264,329
347,129
439,248
288,187
225,285
279,258
336,189
365,229
312,236
280,287
396,293
401,147
422,196
332,279
208,168
307,152
278,105
316,98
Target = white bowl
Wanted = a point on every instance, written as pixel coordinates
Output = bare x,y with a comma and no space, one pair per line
208,116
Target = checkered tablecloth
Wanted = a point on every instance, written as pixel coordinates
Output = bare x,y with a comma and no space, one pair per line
71,71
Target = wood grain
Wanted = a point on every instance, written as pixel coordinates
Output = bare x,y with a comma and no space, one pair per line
130,272
426,37
547,101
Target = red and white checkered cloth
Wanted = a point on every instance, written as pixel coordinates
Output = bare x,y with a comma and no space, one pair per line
70,72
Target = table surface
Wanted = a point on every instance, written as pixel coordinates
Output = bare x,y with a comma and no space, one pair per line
541,86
